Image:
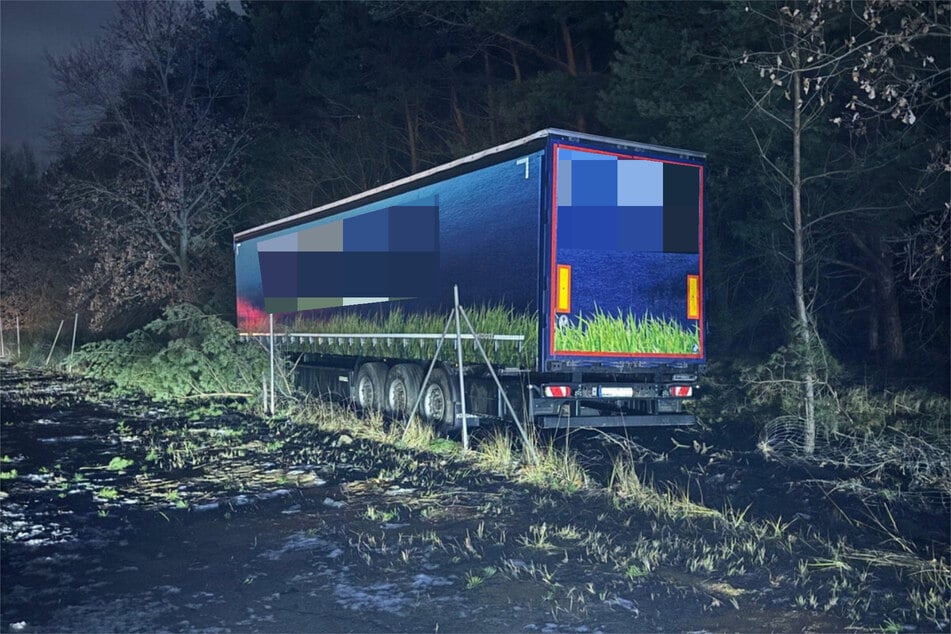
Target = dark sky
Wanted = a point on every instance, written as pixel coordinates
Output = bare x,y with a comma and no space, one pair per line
28,29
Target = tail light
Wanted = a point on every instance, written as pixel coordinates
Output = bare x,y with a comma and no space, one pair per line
558,391
681,391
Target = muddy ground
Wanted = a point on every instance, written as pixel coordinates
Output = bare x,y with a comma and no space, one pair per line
126,516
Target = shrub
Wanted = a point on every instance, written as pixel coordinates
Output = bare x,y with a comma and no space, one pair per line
184,353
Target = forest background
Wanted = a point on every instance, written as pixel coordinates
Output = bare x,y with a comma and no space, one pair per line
826,126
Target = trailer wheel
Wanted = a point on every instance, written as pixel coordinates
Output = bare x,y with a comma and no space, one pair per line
438,404
368,386
402,388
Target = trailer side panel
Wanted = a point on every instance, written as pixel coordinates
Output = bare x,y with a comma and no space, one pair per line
348,271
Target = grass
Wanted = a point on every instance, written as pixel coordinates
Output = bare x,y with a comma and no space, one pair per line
119,463
556,469
496,453
474,579
628,334
494,320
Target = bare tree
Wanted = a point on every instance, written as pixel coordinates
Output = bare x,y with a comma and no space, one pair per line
839,63
154,126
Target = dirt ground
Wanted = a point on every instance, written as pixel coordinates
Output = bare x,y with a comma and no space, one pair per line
123,516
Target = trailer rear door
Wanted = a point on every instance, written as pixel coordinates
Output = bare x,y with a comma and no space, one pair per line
626,273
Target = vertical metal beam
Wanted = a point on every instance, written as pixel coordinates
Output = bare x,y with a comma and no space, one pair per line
526,441
429,372
462,380
18,336
270,321
72,346
55,339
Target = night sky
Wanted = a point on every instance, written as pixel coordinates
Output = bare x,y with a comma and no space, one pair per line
28,30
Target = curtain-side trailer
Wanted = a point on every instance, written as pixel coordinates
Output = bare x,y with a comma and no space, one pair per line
579,258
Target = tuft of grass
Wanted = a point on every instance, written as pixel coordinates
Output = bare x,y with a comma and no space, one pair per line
556,469
474,579
417,434
380,515
8,475
624,481
496,453
538,537
119,463
627,333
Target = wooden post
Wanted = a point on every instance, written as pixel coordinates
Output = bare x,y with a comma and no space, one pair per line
55,339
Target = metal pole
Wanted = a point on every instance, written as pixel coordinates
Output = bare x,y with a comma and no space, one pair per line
270,319
72,347
55,339
529,448
429,372
462,381
18,336
3,349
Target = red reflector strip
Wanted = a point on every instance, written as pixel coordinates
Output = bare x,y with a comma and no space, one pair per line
558,391
681,390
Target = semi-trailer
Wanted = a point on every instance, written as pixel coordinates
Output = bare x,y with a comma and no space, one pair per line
579,259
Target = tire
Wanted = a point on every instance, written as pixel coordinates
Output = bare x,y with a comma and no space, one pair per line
439,400
402,389
368,386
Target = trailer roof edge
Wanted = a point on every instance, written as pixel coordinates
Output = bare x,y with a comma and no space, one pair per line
294,219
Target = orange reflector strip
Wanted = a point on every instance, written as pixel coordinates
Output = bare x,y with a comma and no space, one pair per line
563,295
693,297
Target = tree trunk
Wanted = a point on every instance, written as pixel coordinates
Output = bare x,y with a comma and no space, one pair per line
183,240
885,304
516,67
457,116
802,313
410,136
873,324
887,291
490,98
569,48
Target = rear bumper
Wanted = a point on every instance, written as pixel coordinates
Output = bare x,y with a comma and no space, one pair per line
647,420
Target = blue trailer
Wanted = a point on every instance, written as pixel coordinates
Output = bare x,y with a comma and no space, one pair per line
580,257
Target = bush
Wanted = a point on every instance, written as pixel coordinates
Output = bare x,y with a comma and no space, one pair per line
184,353
842,406
779,383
